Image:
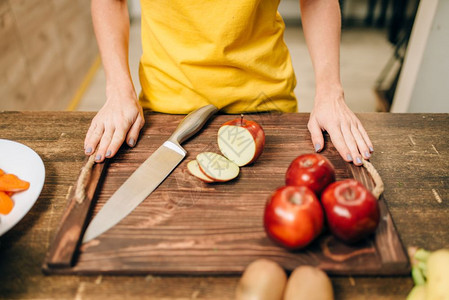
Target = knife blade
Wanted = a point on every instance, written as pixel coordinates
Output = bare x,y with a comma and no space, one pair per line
149,175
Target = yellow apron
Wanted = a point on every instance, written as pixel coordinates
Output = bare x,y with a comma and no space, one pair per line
227,53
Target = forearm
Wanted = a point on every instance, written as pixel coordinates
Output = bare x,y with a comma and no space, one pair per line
321,22
111,26
322,29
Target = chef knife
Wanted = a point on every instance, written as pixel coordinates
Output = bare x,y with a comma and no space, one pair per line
147,177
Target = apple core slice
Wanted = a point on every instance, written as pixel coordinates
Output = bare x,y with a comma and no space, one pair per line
237,144
217,167
194,169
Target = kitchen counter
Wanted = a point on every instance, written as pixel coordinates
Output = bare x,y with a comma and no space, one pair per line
411,155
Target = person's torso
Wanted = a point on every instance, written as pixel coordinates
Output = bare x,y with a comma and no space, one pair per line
227,53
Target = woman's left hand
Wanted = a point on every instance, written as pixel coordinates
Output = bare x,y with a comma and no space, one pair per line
347,133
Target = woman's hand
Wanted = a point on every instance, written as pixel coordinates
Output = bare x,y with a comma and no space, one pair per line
321,21
120,118
331,114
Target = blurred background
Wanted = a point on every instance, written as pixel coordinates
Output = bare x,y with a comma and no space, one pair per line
393,55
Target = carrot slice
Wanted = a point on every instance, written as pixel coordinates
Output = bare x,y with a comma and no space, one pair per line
6,203
12,183
2,172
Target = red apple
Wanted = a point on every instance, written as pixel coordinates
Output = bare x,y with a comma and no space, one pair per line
293,216
352,211
241,141
312,170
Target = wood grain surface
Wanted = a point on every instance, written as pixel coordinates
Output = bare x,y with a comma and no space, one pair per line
411,155
187,226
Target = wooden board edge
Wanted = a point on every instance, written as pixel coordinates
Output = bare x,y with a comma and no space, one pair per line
397,253
398,269
394,256
62,251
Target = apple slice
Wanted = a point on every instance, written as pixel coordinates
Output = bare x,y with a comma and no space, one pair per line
194,169
217,167
241,141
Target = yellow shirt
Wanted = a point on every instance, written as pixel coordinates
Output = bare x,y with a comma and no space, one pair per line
229,53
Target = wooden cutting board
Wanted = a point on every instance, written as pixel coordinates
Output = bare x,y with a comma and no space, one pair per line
190,227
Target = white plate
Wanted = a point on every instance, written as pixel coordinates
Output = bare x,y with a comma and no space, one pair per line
23,162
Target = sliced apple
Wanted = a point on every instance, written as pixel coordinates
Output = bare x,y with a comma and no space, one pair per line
194,169
217,167
241,141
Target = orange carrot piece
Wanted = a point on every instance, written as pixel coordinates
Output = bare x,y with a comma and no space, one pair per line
6,203
2,172
12,183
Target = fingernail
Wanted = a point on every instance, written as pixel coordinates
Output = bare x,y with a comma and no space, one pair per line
89,150
131,142
359,160
317,147
367,154
98,157
349,157
108,153
371,149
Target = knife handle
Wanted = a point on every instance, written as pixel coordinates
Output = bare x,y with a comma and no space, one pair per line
192,123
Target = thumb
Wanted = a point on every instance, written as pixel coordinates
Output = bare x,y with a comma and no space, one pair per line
316,135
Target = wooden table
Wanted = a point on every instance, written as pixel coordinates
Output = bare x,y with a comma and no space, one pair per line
411,155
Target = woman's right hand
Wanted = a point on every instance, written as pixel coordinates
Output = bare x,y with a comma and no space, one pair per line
120,118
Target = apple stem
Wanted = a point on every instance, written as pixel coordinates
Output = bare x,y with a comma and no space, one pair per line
296,199
307,163
241,119
349,194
